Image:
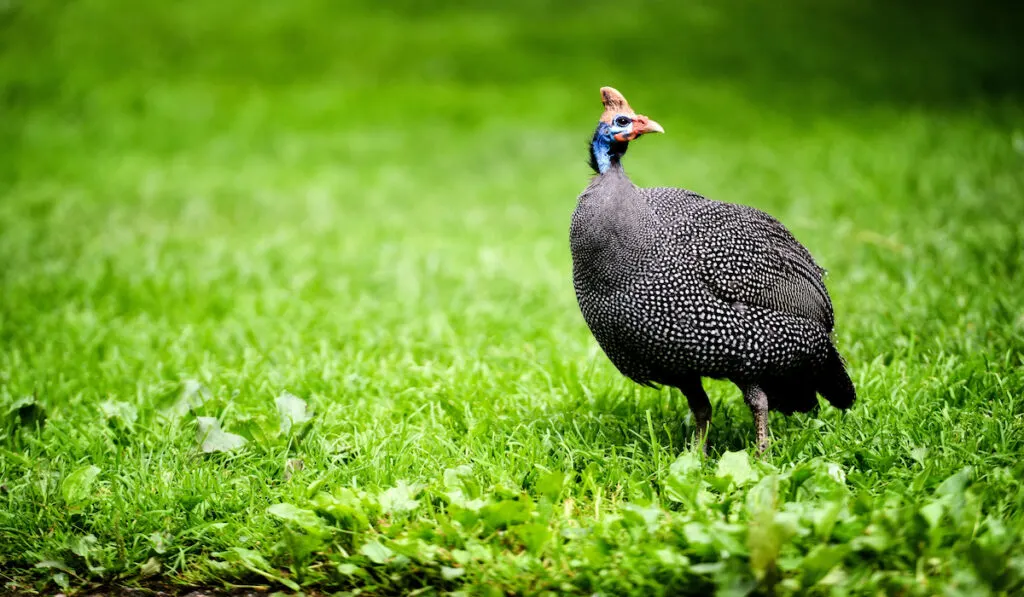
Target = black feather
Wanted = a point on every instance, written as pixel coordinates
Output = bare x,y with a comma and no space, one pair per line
677,286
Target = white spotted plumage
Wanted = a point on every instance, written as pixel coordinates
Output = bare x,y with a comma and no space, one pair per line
676,287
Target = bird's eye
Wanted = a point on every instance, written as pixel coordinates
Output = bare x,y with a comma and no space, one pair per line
622,121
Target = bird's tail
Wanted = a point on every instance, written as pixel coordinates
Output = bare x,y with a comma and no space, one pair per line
798,392
834,383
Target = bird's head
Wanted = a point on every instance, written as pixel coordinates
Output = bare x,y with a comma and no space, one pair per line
618,126
622,123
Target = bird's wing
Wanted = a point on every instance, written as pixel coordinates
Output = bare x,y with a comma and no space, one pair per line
746,256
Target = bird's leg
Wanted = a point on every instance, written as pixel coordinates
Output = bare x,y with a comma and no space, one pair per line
757,400
700,406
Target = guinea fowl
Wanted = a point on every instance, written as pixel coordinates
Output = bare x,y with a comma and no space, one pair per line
676,287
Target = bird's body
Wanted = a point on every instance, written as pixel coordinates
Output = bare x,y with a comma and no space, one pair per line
676,287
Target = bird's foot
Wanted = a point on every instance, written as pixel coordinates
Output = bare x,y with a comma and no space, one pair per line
761,420
758,403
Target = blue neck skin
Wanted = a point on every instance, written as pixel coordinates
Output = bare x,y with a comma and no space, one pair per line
604,150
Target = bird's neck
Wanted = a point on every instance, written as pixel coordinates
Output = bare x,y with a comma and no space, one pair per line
610,229
605,153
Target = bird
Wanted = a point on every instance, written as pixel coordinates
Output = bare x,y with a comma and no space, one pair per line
676,287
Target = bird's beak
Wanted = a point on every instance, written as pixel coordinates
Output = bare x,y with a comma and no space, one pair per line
643,125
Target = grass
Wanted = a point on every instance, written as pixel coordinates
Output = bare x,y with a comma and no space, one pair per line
354,219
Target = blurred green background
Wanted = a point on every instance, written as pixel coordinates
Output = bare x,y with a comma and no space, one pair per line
180,75
178,160
367,204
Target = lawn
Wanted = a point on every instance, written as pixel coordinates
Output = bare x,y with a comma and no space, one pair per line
286,302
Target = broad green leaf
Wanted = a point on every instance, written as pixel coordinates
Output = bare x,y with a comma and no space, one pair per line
376,552
685,466
671,558
820,561
416,548
76,488
151,567
455,478
250,558
955,485
707,568
254,562
826,479
575,533
877,541
835,472
506,513
769,529
344,508
460,500
193,395
463,490
61,580
735,466
550,484
400,498
954,493
920,480
449,573
734,579
293,412
932,513
55,564
212,438
260,428
697,537
349,569
788,524
306,520
684,478
158,542
83,545
300,545
919,455
729,538
647,518
826,516
124,413
533,535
